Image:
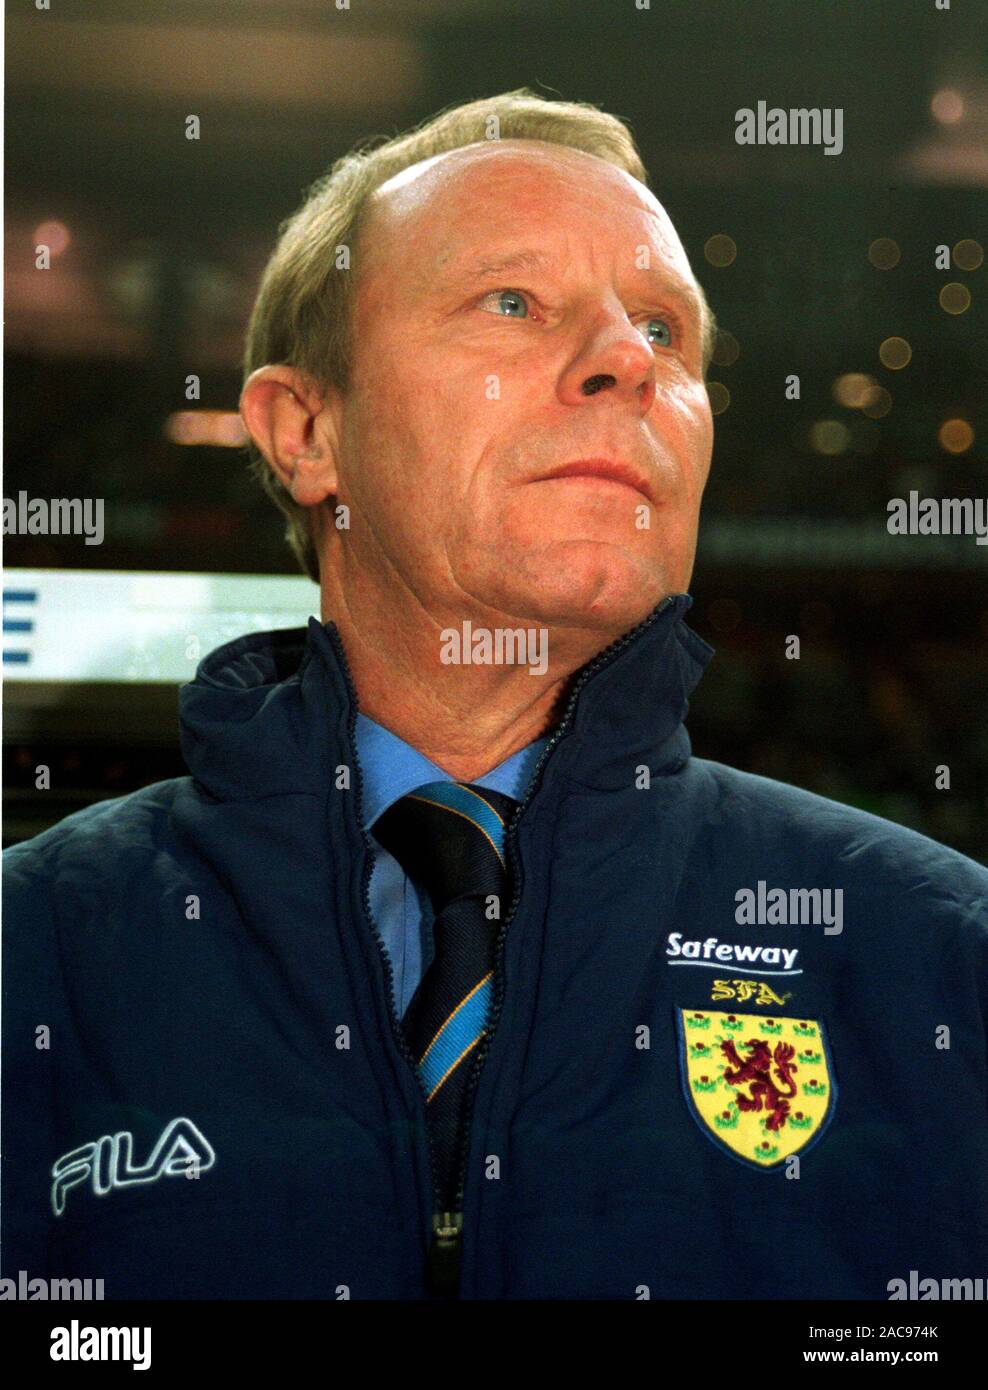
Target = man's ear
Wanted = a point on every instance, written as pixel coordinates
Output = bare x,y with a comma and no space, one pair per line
295,428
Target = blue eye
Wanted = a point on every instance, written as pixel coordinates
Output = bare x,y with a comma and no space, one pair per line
662,331
509,303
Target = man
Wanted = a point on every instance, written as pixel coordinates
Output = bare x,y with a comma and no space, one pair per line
449,971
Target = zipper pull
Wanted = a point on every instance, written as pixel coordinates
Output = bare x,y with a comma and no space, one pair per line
444,1254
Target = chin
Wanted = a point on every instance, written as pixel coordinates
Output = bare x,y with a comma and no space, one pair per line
593,585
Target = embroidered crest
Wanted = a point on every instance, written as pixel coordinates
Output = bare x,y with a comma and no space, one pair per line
762,1087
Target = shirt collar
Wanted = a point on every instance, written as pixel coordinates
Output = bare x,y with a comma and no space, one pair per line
391,768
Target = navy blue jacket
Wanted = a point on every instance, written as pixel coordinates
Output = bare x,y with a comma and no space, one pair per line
701,1081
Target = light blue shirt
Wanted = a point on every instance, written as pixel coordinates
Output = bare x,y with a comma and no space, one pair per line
402,913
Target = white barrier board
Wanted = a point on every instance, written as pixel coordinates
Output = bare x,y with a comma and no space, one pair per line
119,625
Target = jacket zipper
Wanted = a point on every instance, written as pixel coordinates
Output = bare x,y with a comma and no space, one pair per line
452,1233
397,1030
445,1250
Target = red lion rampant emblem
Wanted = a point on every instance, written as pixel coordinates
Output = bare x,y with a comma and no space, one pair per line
755,1071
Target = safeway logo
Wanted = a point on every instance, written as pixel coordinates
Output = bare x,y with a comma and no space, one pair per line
182,1151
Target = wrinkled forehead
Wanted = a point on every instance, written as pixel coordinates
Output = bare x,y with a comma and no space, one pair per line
495,189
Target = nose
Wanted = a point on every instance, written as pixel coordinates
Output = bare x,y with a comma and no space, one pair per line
614,357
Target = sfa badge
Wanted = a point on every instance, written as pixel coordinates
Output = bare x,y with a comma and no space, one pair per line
764,1088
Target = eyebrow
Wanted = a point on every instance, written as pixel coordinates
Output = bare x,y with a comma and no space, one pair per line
514,260
525,259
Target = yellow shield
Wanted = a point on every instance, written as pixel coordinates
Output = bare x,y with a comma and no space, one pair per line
762,1087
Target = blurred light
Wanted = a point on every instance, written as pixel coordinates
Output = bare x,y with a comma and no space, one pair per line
955,298
854,390
895,353
222,429
884,253
879,406
947,106
54,235
726,349
968,254
720,397
916,477
956,436
724,614
212,289
830,437
131,284
720,249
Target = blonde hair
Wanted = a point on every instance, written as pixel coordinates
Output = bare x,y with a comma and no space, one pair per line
301,316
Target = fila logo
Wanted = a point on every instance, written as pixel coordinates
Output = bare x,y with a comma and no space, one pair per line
182,1149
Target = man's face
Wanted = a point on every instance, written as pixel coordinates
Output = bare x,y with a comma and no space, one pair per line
520,307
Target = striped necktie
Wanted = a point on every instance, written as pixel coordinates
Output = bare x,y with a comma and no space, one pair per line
449,838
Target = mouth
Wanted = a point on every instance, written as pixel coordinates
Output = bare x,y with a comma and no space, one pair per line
606,470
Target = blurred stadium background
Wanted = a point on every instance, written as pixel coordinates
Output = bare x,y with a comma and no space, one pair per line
815,265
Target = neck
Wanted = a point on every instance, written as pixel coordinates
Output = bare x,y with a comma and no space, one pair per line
430,678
